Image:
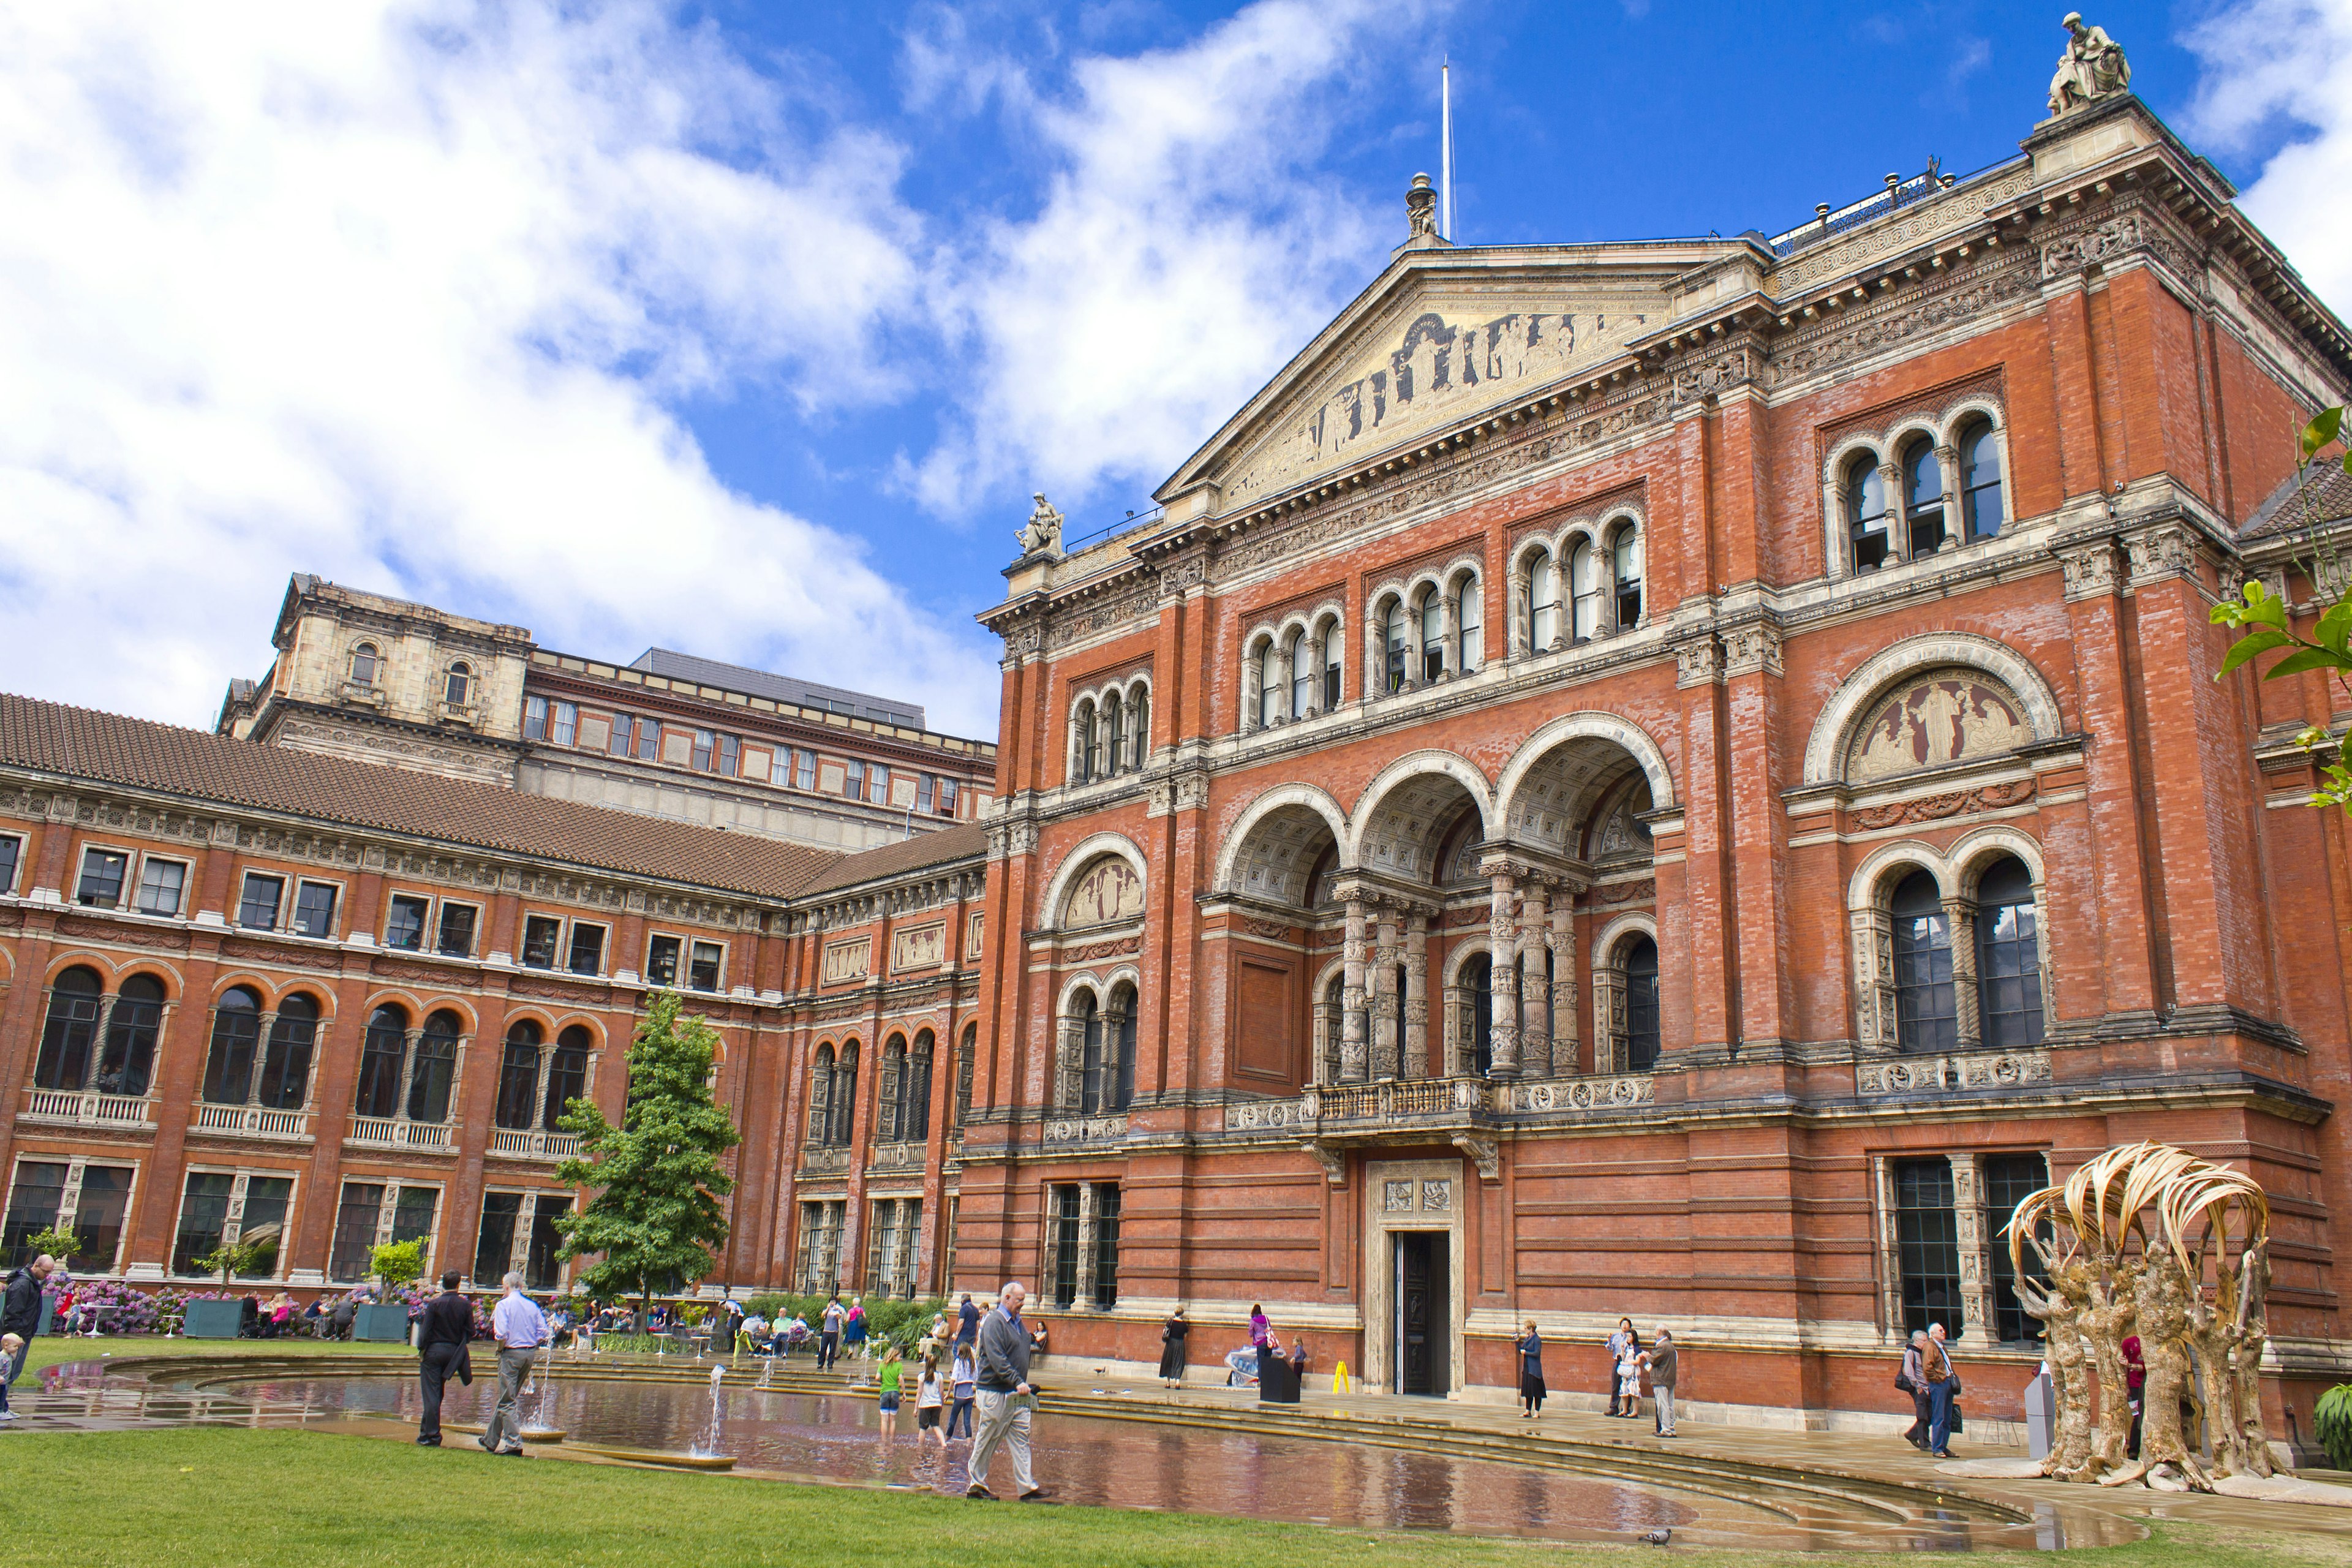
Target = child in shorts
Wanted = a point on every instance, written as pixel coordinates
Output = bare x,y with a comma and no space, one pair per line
928,1403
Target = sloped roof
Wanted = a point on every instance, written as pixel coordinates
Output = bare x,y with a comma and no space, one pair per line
82,742
2327,500
962,842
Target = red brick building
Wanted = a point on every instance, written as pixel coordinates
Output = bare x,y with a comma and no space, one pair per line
1670,779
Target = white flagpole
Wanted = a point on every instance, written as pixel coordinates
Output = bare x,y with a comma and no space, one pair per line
1446,151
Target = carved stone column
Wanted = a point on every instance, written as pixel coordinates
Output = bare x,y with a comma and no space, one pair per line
1087,1259
1534,917
1352,1058
1311,650
1385,958
1960,919
1975,1255
1504,979
1282,684
1416,1062
1253,710
1566,1057
1449,634
1609,1045
1948,462
1069,1064
1899,530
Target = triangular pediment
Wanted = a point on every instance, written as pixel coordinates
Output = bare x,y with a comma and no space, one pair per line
1441,337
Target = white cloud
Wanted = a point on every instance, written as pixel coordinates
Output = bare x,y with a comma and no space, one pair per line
2287,64
396,292
1185,245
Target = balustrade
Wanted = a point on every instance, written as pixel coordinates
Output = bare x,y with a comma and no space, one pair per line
390,1133
87,1108
253,1122
533,1144
1966,1072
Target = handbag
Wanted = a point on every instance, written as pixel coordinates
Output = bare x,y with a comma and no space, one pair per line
1902,1383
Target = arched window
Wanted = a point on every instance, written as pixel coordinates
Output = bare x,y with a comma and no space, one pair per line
845,1095
1396,632
1331,640
519,1075
1865,513
1433,635
127,1065
1088,1017
1638,959
1269,683
286,1064
1543,603
567,1075
237,1031
1625,547
820,1122
967,1064
1980,497
1082,743
1139,727
1302,676
435,1068
915,1091
890,1111
365,662
459,686
1585,591
1333,1016
1926,1016
1118,1049
1475,1028
1469,625
1923,496
70,1031
383,1054
2009,956
1114,716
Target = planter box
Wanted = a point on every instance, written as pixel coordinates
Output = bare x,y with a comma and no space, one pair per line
211,1320
385,1325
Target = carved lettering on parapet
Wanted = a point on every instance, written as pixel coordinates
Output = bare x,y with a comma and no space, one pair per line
1953,803
2000,284
2085,248
2090,570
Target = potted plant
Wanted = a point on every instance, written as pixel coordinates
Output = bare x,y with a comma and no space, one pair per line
217,1318
397,1266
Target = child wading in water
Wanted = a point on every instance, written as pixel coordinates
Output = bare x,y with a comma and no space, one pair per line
892,1377
928,1403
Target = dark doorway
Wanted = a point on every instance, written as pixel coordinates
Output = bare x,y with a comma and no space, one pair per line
1424,1324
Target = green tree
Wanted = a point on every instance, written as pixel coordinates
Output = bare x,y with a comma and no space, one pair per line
238,1256
2269,623
397,1263
659,1177
58,1242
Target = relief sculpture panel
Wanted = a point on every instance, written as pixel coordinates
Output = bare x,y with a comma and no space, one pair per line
1949,716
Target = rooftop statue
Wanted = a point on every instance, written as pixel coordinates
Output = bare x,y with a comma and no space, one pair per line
2092,68
1043,531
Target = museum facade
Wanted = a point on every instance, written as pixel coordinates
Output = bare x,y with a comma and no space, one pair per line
1672,779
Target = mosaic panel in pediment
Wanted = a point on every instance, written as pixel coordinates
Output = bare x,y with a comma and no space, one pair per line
1945,716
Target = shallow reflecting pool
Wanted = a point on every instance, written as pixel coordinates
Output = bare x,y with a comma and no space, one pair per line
1148,1465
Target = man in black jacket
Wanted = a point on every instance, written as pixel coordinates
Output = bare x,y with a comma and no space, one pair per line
444,1328
20,1314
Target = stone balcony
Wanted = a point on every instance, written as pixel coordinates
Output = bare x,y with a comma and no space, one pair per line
87,1108
253,1122
391,1133
903,1156
825,1162
532,1144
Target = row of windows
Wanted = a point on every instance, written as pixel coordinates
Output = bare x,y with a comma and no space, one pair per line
902,1111
1105,1052
366,1214
642,738
2009,962
1110,733
366,668
1913,507
1602,589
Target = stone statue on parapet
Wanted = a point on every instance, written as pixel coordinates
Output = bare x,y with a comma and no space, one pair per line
1043,531
2092,68
1421,210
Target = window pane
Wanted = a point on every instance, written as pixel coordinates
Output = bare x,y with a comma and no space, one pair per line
587,955
853,781
355,1222
70,1031
563,723
2009,957
623,735
363,665
806,777
1928,1246
1927,1015
1641,1004
413,1212
648,740
286,1065
779,766
237,1032
534,718
437,1064
265,1199
1066,1244
383,1054
102,871
494,1242
203,1214
97,1217
314,910
540,935
661,961
519,1078
567,1080
705,973
457,930
10,850
730,754
1106,1245
159,883
2009,1178
702,751
258,909
1980,493
543,1267
404,927
33,1203
127,1064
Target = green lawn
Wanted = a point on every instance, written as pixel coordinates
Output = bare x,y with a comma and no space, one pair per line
49,1350
191,1499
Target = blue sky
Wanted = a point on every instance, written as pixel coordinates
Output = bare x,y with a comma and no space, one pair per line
747,328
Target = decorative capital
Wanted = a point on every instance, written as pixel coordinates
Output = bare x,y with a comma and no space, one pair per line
1750,648
2090,570
1699,661
2167,550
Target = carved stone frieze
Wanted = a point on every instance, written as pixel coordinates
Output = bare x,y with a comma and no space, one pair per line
1086,1129
1075,623
84,929
1609,894
1953,803
1186,791
1018,836
1622,1092
1929,1075
1877,327
1261,1115
2088,247
1927,221
1093,950
252,952
422,974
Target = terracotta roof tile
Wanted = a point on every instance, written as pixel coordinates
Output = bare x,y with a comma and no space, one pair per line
965,841
81,742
